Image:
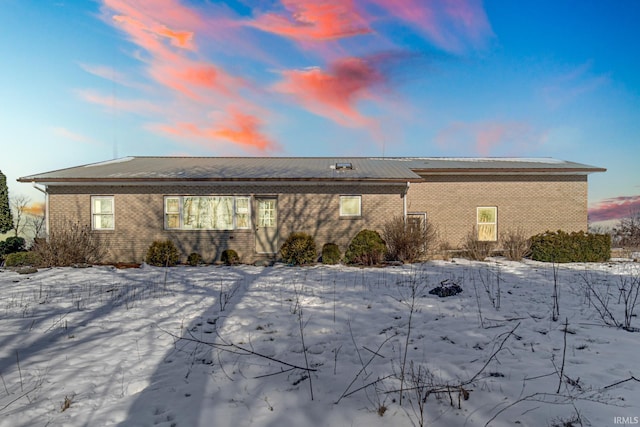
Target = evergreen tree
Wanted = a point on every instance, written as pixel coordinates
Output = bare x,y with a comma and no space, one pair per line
6,219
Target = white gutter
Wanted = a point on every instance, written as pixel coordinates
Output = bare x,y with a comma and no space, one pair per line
46,207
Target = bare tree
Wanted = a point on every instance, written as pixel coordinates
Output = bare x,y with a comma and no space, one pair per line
36,223
19,205
627,232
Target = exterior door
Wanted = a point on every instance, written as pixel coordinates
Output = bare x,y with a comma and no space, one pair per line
267,225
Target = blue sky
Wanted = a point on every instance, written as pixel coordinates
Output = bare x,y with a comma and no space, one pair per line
86,81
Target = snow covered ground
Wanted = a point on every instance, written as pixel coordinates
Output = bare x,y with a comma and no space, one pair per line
320,346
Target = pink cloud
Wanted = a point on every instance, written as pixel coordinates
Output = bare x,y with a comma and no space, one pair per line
173,65
334,93
161,18
237,127
192,86
315,20
484,137
614,208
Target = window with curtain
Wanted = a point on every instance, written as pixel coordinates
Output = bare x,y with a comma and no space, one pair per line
487,223
207,212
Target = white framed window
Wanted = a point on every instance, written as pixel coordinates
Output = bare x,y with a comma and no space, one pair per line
416,220
487,223
102,213
267,213
172,212
243,213
207,213
350,206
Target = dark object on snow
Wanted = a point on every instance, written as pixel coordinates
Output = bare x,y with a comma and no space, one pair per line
446,289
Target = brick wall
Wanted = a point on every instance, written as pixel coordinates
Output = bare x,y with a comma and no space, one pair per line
535,203
139,216
532,203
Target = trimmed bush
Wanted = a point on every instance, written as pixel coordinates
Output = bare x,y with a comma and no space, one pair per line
194,259
570,247
22,259
299,249
162,254
330,253
366,248
406,241
230,257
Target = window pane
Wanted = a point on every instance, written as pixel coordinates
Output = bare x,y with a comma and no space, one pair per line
105,221
173,205
350,205
173,221
267,213
242,205
487,232
242,212
486,215
102,205
223,207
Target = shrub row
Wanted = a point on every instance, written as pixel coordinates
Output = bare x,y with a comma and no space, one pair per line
570,247
367,248
164,253
400,241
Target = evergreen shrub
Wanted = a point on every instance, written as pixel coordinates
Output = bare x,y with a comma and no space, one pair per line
366,248
11,245
579,246
229,257
299,249
330,253
194,259
22,259
163,254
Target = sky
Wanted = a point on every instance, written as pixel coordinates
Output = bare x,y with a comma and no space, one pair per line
89,81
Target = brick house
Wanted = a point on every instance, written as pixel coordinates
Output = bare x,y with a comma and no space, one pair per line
252,204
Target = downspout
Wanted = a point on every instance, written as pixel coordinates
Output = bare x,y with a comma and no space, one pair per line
404,202
46,207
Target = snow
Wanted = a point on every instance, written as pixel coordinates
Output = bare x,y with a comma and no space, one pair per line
223,346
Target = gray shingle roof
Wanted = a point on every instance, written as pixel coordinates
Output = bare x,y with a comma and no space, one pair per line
293,168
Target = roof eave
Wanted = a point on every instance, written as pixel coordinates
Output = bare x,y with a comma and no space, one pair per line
509,171
195,181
